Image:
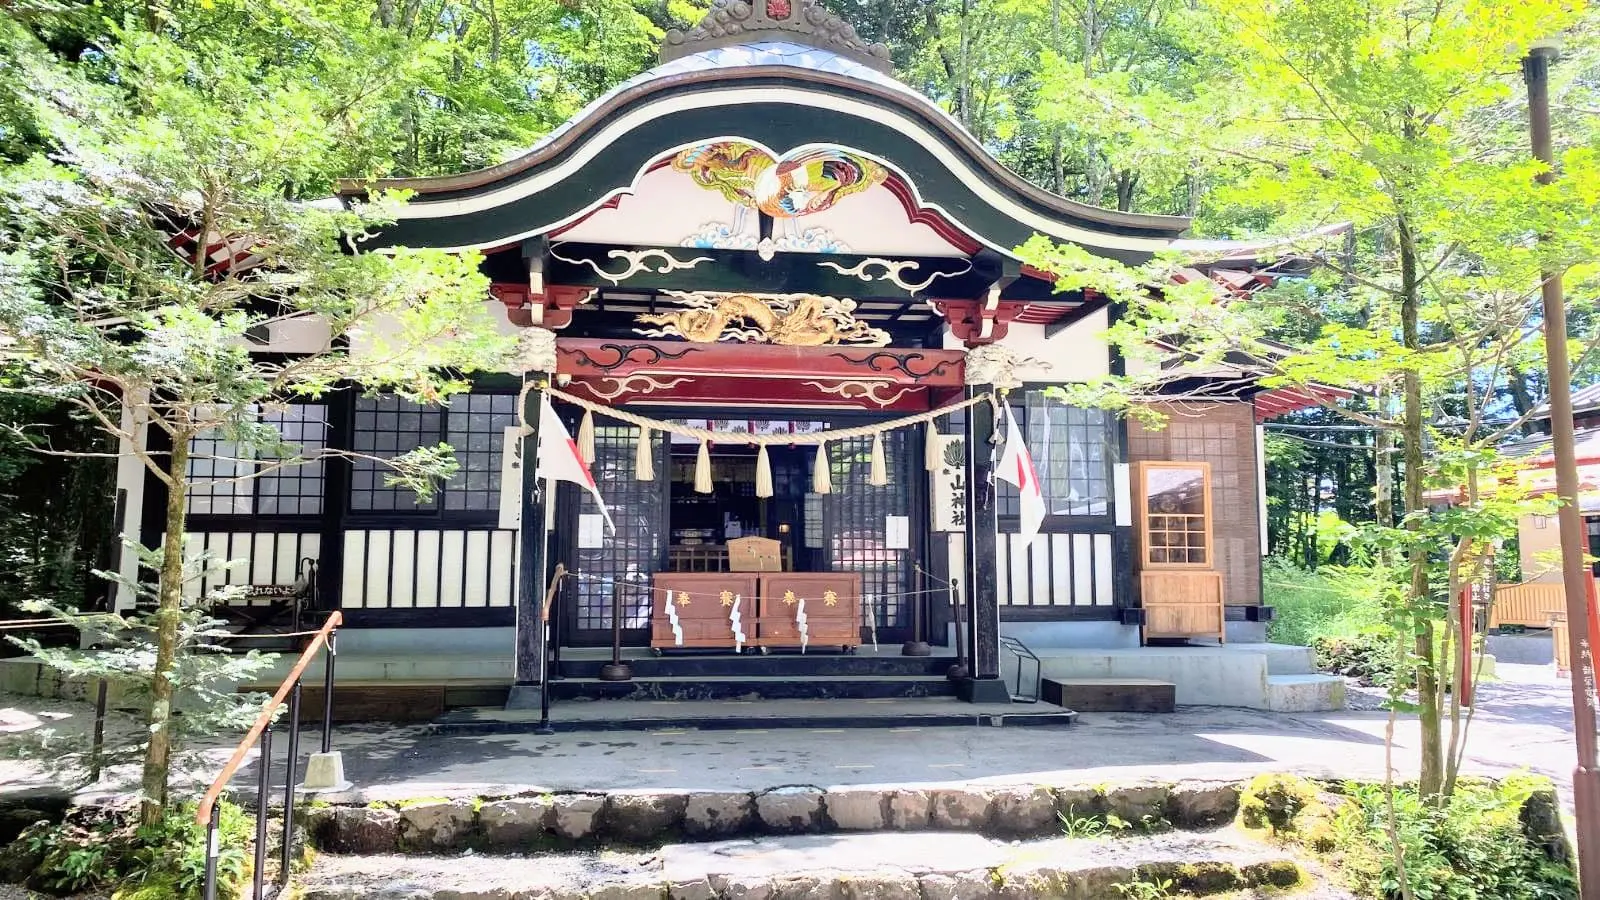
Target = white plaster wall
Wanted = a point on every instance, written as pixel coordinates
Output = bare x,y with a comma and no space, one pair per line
130,480
1078,353
301,334
1539,548
384,328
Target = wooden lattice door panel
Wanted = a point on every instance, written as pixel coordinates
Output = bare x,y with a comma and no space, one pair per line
856,537
621,568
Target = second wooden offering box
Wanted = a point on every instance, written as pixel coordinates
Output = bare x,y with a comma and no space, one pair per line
832,606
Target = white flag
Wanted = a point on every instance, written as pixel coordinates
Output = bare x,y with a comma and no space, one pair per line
1016,467
559,459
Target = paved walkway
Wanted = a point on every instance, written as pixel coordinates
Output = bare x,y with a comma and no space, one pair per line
1523,722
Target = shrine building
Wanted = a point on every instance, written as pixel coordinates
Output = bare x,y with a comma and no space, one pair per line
780,306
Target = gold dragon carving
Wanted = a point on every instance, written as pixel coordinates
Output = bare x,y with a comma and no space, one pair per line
791,320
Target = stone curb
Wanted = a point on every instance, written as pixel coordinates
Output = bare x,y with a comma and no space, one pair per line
650,818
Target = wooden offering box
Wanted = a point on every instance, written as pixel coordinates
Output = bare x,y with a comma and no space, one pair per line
698,599
831,624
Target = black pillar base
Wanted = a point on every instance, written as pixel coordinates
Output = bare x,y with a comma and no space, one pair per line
524,696
616,672
983,690
916,648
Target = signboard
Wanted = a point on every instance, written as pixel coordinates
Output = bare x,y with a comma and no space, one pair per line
950,484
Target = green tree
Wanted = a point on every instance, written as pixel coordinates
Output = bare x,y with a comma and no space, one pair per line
1403,121
149,140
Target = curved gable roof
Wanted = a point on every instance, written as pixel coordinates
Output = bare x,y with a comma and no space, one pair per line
776,94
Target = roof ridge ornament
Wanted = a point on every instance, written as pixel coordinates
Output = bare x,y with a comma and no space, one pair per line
800,21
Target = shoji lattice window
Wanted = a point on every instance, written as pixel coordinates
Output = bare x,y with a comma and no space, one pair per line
296,490
219,468
472,424
1071,449
387,426
475,426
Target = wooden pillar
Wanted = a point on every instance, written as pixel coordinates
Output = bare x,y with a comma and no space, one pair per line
530,637
1124,558
981,578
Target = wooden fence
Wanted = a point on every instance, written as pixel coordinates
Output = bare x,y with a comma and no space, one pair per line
1529,605
1558,633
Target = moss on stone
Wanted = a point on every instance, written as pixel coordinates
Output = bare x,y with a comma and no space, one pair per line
1273,803
1277,873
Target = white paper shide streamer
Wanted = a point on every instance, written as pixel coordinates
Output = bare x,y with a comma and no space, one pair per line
872,622
736,621
672,618
800,624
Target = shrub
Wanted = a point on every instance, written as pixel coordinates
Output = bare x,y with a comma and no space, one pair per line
1476,847
1371,657
98,847
1330,602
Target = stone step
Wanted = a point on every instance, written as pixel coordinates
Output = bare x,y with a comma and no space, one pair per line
790,665
1305,693
645,714
1147,695
702,687
887,866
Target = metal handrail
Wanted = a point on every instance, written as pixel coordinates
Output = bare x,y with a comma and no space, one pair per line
209,814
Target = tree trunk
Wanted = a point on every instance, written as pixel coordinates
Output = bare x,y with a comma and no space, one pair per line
1127,182
1431,781
1058,160
169,615
964,86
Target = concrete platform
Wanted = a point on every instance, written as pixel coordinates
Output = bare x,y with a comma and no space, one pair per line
1253,676
753,716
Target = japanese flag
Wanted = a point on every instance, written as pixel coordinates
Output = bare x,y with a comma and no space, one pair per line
1016,467
559,459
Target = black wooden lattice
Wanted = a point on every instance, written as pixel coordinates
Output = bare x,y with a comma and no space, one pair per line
630,556
856,515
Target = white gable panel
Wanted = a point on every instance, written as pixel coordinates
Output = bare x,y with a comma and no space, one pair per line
875,223
667,209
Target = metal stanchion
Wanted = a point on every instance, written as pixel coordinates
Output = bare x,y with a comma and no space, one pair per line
263,787
327,692
97,750
288,783
213,830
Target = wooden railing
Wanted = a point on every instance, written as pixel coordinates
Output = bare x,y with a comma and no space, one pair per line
1529,605
208,813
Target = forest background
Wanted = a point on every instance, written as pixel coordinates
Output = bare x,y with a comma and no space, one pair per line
1127,104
